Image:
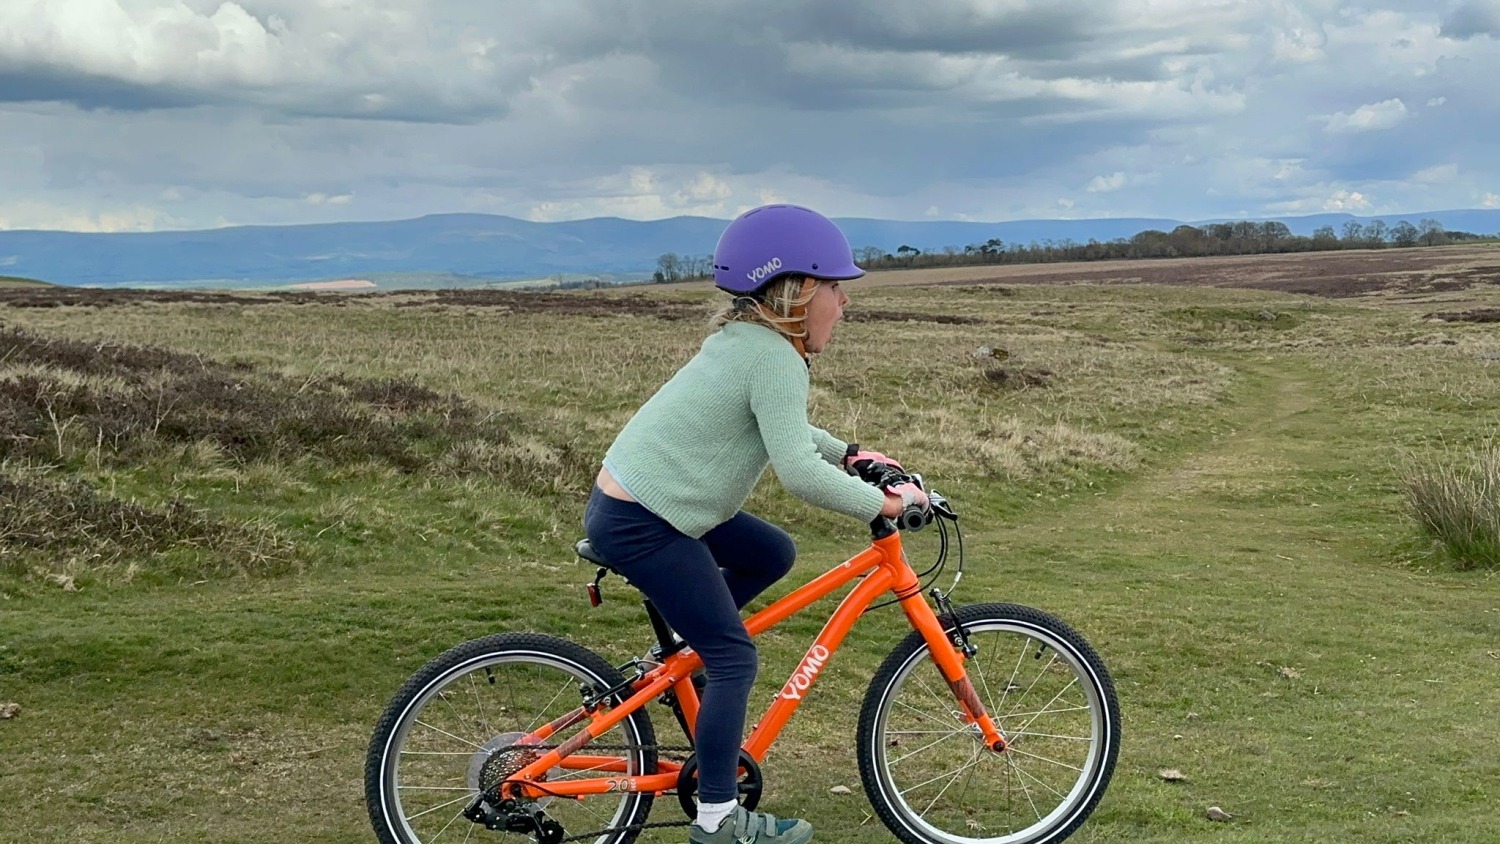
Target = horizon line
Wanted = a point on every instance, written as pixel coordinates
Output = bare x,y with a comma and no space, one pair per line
929,221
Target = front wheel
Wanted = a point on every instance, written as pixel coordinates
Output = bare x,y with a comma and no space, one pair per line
458,727
930,776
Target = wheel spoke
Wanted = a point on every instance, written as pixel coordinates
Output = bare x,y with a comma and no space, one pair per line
450,822
943,699
450,735
1036,779
1044,759
469,796
1015,672
466,719
545,710
1026,792
940,794
484,719
936,778
934,743
1044,709
984,681
1057,737
925,714
1036,679
973,760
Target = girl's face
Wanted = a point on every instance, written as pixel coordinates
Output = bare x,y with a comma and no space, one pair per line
825,310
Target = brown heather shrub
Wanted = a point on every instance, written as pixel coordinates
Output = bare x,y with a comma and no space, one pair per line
55,296
396,395
1018,378
1474,315
65,404
66,528
63,400
1456,500
856,315
562,304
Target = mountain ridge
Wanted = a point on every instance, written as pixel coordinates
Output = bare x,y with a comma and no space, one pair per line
494,247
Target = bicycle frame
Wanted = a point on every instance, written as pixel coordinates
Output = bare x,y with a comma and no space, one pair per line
883,568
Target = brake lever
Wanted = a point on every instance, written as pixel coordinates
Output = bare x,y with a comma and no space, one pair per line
940,506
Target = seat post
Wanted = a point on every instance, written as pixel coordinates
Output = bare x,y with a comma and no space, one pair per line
668,643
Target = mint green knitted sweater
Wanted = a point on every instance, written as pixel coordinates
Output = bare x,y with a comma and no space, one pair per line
695,450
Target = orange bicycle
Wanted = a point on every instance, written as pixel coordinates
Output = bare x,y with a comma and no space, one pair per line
991,723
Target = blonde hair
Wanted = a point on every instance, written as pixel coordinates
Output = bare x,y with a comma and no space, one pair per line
773,307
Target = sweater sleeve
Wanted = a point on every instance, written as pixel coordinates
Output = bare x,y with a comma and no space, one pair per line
829,447
778,398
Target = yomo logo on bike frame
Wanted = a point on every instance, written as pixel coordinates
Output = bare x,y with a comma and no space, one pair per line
803,678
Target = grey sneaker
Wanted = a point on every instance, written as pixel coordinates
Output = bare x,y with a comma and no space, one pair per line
743,827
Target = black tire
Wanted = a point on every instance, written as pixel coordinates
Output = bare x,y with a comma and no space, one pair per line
931,778
461,711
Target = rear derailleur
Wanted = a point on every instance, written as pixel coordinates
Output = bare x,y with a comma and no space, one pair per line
511,816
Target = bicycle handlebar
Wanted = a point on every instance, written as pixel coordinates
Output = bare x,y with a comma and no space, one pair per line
883,476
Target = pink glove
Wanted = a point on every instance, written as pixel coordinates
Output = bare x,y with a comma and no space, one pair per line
869,455
910,494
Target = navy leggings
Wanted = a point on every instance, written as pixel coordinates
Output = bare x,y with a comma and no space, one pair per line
699,586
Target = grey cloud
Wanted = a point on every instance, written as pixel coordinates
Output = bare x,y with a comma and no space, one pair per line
466,63
508,107
377,59
1037,31
1473,19
41,84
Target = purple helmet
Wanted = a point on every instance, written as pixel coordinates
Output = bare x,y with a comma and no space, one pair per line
765,243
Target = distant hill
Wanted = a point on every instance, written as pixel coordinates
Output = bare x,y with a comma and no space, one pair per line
468,249
14,281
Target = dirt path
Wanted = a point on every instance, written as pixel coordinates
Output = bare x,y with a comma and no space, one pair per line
1242,498
1251,603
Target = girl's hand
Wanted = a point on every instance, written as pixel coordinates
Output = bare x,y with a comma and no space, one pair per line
898,498
873,456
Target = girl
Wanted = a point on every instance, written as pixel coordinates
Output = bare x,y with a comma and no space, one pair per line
665,509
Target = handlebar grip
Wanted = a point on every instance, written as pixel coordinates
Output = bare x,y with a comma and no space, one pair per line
912,518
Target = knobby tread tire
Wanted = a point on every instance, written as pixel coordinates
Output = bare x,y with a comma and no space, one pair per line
602,673
870,744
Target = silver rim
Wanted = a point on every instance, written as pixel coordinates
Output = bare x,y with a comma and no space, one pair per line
471,710
942,781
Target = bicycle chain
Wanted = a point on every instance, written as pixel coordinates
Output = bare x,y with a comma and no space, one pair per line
659,748
635,827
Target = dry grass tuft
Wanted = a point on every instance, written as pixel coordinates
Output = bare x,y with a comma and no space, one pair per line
64,530
1456,499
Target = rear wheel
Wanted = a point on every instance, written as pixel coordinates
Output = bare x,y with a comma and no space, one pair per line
453,731
930,776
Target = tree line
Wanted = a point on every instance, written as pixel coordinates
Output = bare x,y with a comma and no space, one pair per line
1242,237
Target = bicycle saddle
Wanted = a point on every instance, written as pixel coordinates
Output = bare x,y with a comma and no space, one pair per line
585,549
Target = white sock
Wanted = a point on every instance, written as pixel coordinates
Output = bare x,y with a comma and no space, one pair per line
711,815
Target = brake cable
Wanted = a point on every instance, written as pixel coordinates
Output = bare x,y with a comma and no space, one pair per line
936,569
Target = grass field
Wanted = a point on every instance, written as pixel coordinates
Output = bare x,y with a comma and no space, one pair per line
1200,477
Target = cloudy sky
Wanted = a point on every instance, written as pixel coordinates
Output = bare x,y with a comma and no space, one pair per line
168,114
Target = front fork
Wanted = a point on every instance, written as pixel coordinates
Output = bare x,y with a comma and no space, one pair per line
950,654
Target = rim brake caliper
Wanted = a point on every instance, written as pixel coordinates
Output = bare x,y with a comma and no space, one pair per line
945,610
